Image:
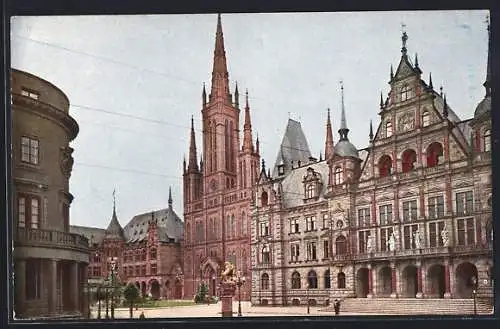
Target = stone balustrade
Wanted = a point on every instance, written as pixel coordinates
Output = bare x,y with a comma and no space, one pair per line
49,238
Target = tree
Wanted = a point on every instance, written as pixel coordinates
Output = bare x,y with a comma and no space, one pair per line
202,293
131,294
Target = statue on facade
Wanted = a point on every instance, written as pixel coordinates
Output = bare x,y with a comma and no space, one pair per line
227,274
370,244
418,238
391,242
445,236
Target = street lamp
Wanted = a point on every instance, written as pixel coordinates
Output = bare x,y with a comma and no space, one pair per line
240,280
99,295
307,297
112,261
474,292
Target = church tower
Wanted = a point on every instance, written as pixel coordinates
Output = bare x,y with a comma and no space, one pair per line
218,190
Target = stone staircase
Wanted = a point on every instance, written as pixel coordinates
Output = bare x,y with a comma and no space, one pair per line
414,306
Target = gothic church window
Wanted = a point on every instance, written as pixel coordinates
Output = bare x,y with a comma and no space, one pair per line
487,141
409,158
385,166
337,176
296,280
434,154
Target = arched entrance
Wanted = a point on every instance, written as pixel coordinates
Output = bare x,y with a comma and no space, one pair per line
178,289
385,281
155,289
436,281
464,275
143,289
410,281
362,282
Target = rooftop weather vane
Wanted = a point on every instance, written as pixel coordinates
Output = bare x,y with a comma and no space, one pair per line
114,197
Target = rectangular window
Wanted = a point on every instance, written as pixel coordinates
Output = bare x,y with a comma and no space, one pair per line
143,270
363,237
435,207
137,270
29,211
435,229
466,233
294,225
21,219
311,251
326,221
364,217
264,228
410,210
29,150
385,233
294,252
153,269
310,223
385,213
326,249
408,236
464,203
29,93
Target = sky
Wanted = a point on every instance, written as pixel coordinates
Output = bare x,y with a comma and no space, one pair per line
135,81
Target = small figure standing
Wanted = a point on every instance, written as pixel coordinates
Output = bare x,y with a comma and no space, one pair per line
142,316
336,306
445,237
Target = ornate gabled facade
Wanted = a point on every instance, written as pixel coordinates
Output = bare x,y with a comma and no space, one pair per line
408,216
218,191
147,251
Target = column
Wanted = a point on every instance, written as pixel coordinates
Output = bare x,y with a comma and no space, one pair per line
420,287
447,290
394,293
52,279
75,283
86,292
370,281
20,286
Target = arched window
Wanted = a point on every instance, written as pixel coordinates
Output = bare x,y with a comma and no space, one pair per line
487,140
296,280
405,93
341,280
310,191
266,255
426,119
327,279
264,281
388,129
385,166
312,280
337,176
341,245
434,154
409,158
264,199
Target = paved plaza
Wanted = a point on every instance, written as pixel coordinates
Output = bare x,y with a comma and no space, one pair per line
214,310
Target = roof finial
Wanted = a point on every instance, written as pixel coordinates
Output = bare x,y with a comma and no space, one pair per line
441,91
170,197
381,101
114,201
343,131
404,38
371,131
204,95
392,73
486,83
445,107
416,60
236,96
263,166
430,81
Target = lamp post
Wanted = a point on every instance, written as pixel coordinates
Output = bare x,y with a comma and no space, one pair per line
474,292
112,261
107,298
240,280
307,297
99,295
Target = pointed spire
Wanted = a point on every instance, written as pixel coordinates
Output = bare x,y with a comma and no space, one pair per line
431,87
114,203
257,144
441,91
371,131
320,156
201,162
343,131
184,164
193,162
381,101
220,76
263,168
236,96
329,138
170,197
445,107
114,229
204,95
487,82
416,60
247,128
392,73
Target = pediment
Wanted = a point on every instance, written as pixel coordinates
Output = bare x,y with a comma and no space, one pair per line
404,69
435,189
407,194
384,198
462,185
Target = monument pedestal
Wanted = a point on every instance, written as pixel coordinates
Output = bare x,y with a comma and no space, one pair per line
227,292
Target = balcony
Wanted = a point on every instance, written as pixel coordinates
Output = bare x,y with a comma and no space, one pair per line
50,239
483,157
434,170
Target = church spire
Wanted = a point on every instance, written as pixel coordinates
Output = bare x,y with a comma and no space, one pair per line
329,138
257,144
204,95
170,197
220,76
236,96
487,82
193,162
430,81
371,131
247,128
343,131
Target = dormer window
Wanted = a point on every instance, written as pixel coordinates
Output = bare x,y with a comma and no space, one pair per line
337,176
310,191
312,184
281,169
487,141
388,129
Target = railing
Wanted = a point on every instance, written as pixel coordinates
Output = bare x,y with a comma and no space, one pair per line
484,156
434,170
51,238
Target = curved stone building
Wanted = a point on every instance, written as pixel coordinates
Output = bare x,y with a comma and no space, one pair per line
49,262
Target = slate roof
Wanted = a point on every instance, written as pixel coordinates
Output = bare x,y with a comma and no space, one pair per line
93,234
114,230
345,148
294,147
484,106
293,188
170,226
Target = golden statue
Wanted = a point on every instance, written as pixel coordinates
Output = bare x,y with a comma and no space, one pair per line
228,272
